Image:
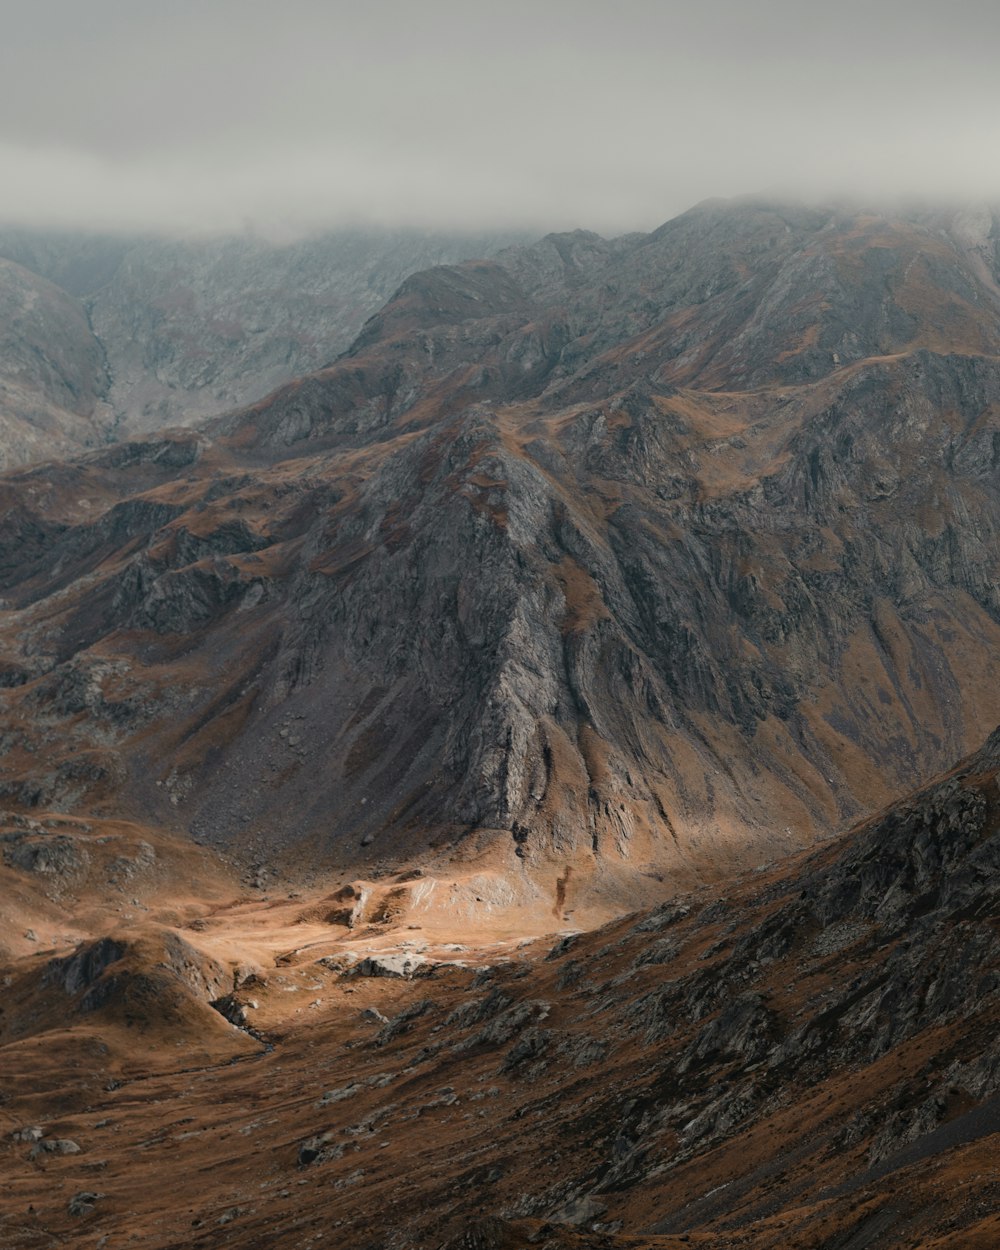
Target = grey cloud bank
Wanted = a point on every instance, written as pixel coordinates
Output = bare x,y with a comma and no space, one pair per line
615,116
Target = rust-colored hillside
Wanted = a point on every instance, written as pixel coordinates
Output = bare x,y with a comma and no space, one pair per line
807,1059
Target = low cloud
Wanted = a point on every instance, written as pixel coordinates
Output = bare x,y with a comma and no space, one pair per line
609,116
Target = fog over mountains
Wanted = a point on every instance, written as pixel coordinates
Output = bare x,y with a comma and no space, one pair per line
611,117
145,332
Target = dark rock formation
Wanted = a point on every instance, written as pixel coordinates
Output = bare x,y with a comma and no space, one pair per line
666,551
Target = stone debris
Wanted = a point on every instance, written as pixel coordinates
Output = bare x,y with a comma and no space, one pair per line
30,1134
83,1203
389,965
55,1146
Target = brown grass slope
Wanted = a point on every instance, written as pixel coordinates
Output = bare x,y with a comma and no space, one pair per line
809,1060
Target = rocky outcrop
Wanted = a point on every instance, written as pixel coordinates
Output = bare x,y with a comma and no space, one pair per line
672,552
810,1078
113,973
152,983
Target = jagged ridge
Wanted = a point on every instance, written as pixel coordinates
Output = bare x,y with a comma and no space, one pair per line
654,553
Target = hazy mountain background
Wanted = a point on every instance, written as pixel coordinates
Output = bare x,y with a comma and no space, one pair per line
577,114
107,335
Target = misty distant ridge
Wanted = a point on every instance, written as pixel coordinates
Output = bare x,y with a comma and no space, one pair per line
84,257
183,327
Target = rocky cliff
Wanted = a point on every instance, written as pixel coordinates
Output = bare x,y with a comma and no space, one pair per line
53,374
653,554
192,327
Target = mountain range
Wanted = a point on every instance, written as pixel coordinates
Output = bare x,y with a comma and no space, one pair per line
107,335
661,555
425,783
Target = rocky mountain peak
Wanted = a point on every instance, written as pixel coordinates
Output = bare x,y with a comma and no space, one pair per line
675,553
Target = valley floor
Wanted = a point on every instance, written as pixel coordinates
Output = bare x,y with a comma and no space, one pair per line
807,1058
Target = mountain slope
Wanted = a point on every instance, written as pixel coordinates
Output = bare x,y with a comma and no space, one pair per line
53,374
192,327
653,555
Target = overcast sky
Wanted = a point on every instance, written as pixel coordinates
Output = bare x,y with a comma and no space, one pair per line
607,114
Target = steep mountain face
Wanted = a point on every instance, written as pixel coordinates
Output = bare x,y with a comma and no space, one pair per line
809,1061
52,371
193,327
654,554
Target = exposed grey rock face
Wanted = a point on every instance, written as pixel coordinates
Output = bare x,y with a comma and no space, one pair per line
31,1133
231,1009
192,327
656,551
58,856
389,965
53,374
84,967
54,1146
113,974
